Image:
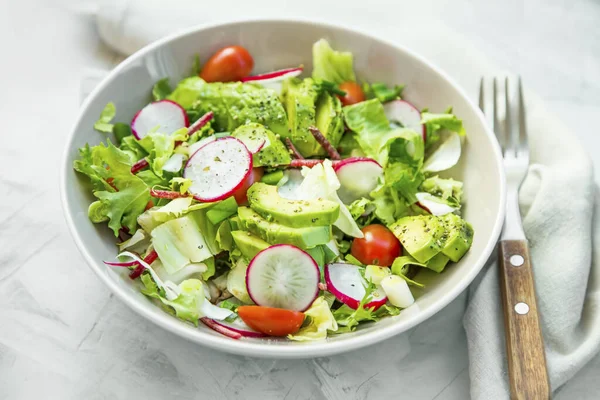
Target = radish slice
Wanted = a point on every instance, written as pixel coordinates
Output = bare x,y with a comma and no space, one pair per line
346,283
121,264
358,177
174,163
220,328
166,194
138,166
283,276
434,205
275,76
405,113
397,291
218,169
240,327
446,156
167,115
200,143
253,144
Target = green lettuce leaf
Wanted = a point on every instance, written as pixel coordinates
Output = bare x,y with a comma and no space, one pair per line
435,123
381,92
222,210
161,89
186,306
401,266
121,131
331,65
160,148
131,146
103,124
446,189
320,321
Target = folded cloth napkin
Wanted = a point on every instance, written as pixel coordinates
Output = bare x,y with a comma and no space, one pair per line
559,200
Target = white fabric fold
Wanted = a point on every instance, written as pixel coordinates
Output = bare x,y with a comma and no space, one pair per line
558,199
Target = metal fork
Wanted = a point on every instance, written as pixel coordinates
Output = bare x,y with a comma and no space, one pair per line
526,358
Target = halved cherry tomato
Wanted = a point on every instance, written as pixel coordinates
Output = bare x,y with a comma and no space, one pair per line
149,205
229,64
271,321
254,176
378,247
354,93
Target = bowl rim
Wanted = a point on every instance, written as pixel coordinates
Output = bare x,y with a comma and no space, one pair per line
270,349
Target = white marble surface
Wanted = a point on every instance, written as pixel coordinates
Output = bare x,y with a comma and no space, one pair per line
63,336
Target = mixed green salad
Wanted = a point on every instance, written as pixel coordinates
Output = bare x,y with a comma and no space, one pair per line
275,205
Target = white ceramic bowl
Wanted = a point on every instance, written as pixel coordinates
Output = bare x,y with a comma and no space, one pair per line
277,44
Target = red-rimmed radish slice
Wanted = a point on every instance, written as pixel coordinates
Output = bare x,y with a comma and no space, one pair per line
167,115
240,327
200,143
174,163
121,264
166,194
405,113
218,169
446,156
253,144
432,205
220,328
358,177
397,291
346,283
283,276
201,122
275,76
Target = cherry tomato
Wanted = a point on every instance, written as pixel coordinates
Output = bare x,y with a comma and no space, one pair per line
354,93
229,64
271,321
378,247
254,176
149,205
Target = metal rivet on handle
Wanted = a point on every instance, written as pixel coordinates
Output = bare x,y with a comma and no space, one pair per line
517,260
521,308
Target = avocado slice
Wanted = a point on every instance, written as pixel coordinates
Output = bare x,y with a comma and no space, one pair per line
273,152
329,120
234,104
272,232
459,237
438,262
299,99
249,244
265,200
420,235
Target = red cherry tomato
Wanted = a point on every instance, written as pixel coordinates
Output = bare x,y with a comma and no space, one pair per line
354,93
271,321
229,64
254,176
378,247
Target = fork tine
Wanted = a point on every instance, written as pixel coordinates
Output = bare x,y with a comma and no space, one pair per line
509,131
523,145
495,119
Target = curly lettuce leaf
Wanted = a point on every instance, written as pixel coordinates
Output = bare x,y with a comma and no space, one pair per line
435,123
103,124
160,148
161,89
382,92
330,65
187,306
448,190
320,321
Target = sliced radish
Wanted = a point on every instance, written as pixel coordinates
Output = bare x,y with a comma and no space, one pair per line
200,123
283,276
346,283
174,163
218,169
121,264
358,177
240,327
397,291
200,143
275,76
405,113
167,115
214,312
220,328
166,194
444,157
434,205
253,144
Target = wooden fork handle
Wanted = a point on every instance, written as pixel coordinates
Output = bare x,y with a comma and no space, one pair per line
527,371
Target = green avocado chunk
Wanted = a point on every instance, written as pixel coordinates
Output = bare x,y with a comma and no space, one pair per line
330,120
265,200
420,235
438,262
459,237
299,98
234,104
275,233
273,152
249,244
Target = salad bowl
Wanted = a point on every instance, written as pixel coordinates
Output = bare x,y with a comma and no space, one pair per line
277,44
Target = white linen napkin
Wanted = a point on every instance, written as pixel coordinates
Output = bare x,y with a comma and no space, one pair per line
558,199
